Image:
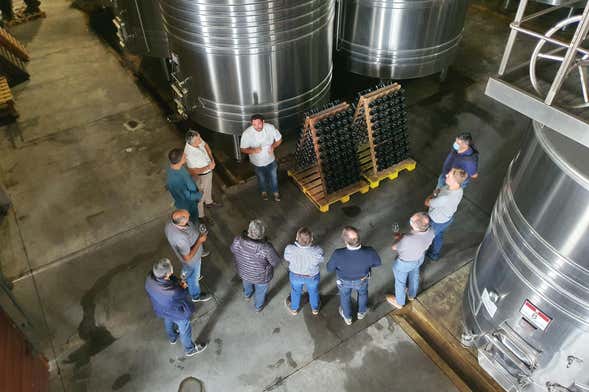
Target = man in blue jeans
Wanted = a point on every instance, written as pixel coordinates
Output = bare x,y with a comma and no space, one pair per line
410,250
171,304
352,265
303,260
187,243
259,142
442,207
255,259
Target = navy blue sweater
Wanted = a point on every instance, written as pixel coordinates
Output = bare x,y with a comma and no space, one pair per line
353,264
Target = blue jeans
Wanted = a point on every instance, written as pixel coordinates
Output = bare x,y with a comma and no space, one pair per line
184,330
442,181
296,289
434,250
260,293
191,273
267,174
345,288
403,271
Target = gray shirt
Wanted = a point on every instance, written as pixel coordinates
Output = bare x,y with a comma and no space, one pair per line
303,260
182,239
443,207
412,246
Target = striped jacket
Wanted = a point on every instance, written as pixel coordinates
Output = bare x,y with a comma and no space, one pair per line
254,259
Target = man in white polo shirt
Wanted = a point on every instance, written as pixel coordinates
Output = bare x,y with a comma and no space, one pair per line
200,164
259,142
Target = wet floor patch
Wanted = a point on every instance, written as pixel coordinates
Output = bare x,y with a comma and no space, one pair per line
121,381
351,211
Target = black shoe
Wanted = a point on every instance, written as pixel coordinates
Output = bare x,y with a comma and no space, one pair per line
202,298
198,348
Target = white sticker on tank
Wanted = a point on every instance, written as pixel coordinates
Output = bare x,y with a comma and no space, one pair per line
488,304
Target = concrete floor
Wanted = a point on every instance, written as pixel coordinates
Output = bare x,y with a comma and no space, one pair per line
89,210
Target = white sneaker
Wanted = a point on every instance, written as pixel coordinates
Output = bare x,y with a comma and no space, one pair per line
346,320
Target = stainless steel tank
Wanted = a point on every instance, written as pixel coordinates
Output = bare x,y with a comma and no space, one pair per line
140,28
233,58
526,306
400,39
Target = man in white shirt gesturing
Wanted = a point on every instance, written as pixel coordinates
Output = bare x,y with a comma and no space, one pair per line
259,142
200,164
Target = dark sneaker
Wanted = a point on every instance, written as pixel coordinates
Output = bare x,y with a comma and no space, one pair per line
346,320
198,348
432,257
247,298
202,298
205,253
287,303
361,315
315,312
173,341
260,309
264,196
277,197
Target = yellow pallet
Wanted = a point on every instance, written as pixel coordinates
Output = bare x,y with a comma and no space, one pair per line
309,182
391,173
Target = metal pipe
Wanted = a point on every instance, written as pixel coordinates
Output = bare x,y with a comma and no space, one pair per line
236,148
549,39
512,37
578,37
142,27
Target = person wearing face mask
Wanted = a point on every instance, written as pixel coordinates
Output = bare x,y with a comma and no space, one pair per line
410,250
170,303
352,265
188,245
463,155
259,142
442,207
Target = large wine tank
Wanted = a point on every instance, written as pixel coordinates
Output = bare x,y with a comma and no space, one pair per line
234,58
400,39
526,305
140,28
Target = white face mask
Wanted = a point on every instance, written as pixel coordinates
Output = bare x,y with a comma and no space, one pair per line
455,146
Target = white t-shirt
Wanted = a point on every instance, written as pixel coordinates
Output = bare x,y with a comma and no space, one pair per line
196,157
264,138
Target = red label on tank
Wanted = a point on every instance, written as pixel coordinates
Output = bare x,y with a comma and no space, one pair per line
535,316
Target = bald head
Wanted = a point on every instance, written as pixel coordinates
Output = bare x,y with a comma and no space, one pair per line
180,217
419,221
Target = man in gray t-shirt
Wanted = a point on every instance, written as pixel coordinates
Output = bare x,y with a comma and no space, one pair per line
187,243
411,249
442,207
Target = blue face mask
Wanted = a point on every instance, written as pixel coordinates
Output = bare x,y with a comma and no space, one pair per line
455,146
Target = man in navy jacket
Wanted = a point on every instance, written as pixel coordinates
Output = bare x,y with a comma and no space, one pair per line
463,155
352,265
170,303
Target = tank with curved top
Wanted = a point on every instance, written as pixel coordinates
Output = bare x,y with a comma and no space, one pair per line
400,39
234,58
140,28
526,306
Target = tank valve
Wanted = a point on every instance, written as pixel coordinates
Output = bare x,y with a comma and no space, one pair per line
571,360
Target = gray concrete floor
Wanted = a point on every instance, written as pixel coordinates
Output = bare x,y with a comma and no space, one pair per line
89,210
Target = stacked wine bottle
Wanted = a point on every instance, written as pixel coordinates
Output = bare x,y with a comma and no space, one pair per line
388,121
338,150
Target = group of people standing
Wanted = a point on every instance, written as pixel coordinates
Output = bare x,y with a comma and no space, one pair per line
255,257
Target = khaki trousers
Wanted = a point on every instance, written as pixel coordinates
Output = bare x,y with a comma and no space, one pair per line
205,186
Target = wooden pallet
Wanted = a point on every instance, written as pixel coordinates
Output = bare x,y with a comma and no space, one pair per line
12,67
7,107
391,173
15,46
310,183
